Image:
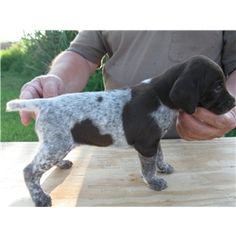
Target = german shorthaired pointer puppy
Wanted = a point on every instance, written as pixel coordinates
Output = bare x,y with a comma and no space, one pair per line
138,116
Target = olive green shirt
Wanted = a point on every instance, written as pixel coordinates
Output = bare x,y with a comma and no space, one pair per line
133,56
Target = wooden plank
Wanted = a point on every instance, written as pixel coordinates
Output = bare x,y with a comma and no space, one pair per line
204,176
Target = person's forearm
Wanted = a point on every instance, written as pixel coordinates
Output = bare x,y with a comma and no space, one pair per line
73,69
231,87
231,83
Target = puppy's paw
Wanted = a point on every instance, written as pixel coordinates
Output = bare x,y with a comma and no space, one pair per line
43,200
157,184
167,169
65,164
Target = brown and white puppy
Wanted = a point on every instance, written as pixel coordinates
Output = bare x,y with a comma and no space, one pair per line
138,117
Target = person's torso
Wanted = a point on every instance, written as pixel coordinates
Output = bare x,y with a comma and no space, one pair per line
137,55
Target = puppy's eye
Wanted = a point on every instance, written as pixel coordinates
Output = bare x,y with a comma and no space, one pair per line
218,86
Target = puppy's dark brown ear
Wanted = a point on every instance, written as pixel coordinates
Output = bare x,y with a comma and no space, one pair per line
184,93
191,84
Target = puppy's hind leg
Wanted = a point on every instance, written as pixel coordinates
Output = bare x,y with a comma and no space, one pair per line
161,165
64,164
47,156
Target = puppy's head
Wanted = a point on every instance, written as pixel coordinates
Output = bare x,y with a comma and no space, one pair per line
201,83
217,99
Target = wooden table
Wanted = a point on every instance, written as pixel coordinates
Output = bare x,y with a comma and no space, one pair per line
204,176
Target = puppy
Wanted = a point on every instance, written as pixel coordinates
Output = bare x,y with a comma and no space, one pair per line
138,116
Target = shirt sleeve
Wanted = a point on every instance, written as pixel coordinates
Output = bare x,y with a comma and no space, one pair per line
90,45
229,52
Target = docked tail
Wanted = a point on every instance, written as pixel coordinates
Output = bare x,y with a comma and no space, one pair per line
23,105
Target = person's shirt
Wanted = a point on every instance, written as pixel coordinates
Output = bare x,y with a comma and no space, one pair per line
133,56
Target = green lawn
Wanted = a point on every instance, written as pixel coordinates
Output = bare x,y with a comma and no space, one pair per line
11,127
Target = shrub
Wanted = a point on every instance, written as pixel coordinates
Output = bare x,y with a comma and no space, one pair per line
96,82
42,47
12,58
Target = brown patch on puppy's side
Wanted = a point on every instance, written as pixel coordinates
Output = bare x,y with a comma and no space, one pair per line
86,132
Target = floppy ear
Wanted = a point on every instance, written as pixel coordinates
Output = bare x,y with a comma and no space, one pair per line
184,93
193,82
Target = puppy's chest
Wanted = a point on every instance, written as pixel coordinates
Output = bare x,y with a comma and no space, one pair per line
164,117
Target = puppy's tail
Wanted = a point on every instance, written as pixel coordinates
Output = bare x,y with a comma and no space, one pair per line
24,105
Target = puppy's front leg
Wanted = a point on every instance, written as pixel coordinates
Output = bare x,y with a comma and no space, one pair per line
161,165
148,165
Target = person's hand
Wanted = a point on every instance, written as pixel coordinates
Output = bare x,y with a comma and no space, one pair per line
204,125
43,86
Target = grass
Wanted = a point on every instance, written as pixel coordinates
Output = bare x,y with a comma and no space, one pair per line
232,133
11,127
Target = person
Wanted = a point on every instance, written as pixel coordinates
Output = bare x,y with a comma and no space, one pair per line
137,55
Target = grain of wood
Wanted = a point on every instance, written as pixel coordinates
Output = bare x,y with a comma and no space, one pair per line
204,176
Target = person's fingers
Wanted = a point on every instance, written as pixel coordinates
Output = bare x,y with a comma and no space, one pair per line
190,128
26,117
42,86
27,92
52,88
32,89
225,122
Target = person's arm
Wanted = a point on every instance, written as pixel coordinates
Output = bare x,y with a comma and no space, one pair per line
73,69
231,83
69,73
203,124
